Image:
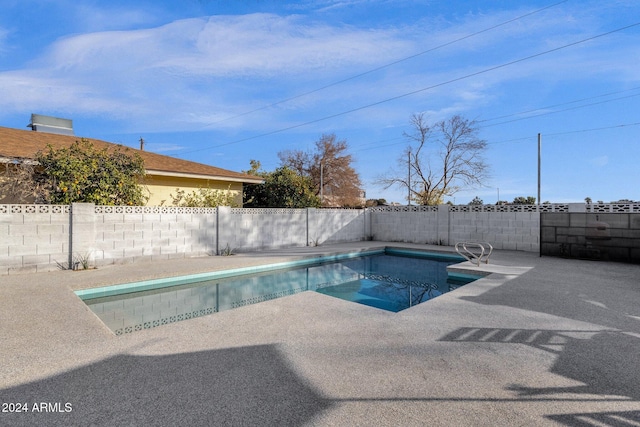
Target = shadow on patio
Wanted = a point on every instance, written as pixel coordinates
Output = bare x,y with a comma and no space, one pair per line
237,386
603,362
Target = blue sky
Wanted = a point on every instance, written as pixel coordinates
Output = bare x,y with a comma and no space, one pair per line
223,82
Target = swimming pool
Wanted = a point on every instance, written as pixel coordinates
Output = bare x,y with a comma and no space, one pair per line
389,279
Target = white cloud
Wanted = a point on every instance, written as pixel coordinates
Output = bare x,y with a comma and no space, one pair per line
110,17
197,72
163,148
599,161
28,91
248,45
191,68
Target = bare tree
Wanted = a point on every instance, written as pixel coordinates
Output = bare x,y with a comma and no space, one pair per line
329,168
22,182
440,160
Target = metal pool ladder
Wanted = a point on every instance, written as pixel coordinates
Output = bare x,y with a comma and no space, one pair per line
475,252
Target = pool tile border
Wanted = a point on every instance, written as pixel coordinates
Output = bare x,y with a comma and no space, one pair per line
145,285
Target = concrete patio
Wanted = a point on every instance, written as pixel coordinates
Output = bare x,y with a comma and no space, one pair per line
540,341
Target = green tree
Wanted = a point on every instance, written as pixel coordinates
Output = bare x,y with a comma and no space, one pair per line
282,188
83,173
255,168
529,200
476,201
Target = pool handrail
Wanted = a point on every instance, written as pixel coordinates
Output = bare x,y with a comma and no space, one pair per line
466,249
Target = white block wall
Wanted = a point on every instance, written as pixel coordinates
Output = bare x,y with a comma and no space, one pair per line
336,225
124,234
512,227
246,229
413,224
37,238
503,230
33,238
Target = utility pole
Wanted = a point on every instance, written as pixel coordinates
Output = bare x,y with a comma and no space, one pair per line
321,182
141,144
409,178
539,162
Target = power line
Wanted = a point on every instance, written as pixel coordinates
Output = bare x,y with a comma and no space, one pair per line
563,110
592,129
558,105
529,138
525,118
385,65
474,74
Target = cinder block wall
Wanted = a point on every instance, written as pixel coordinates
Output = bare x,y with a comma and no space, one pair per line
518,231
512,227
594,235
246,229
336,225
33,238
413,224
129,234
46,237
43,237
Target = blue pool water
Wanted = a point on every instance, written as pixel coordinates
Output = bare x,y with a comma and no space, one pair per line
387,280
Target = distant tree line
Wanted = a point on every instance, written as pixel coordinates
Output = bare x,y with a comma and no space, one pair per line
320,177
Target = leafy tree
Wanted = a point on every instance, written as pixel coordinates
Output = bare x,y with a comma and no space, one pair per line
255,168
330,170
83,173
441,160
204,197
476,201
587,200
283,188
530,200
79,173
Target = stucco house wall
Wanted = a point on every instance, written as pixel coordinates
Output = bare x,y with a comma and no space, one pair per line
161,188
164,173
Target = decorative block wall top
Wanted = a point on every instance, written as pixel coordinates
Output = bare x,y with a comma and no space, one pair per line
35,209
337,209
613,207
555,207
266,211
411,208
153,209
549,207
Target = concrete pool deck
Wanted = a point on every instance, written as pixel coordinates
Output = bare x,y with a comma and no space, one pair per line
541,341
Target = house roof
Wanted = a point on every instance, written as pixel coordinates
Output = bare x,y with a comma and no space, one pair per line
24,144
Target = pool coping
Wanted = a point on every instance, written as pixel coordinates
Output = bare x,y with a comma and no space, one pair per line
165,282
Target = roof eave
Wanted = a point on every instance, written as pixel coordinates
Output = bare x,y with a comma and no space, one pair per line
203,176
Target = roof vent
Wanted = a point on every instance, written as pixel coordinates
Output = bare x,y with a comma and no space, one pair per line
49,124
